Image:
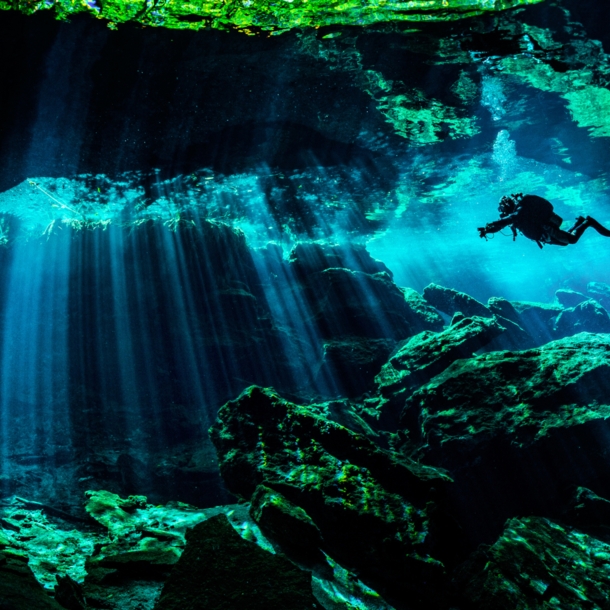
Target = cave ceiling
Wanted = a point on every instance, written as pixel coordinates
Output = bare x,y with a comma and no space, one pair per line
347,119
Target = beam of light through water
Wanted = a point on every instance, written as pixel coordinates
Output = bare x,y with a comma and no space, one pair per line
34,397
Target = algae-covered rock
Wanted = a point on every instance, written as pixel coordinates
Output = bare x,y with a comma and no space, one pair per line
280,519
424,316
522,394
370,507
517,429
353,303
537,319
351,363
513,338
428,354
569,298
269,16
69,594
450,301
19,590
587,316
502,307
219,570
588,511
537,563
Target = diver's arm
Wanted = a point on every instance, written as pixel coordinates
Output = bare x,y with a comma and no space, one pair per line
496,225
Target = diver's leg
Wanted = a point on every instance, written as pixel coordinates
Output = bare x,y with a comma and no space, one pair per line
575,226
562,238
579,229
591,222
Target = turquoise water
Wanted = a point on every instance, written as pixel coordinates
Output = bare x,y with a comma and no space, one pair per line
184,215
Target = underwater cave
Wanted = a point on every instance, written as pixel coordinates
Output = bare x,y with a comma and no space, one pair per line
294,308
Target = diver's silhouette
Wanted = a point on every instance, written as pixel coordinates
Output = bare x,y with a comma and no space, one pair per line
534,217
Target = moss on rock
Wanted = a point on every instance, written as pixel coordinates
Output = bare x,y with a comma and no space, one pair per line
251,16
370,507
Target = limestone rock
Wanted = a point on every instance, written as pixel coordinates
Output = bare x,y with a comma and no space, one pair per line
274,18
537,563
502,307
523,394
496,416
280,519
307,258
537,319
353,303
600,292
19,590
587,316
350,364
69,593
450,301
588,511
569,298
513,338
219,570
370,507
424,316
428,354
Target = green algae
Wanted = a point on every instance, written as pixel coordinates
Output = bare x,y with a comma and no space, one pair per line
251,16
420,119
524,395
539,564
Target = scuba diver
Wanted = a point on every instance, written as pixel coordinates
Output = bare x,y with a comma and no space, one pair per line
534,217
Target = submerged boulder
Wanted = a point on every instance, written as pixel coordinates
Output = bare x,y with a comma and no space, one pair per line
537,563
424,316
526,395
569,298
219,569
587,316
372,510
533,422
350,364
600,292
19,590
538,319
502,307
450,301
353,303
307,258
428,354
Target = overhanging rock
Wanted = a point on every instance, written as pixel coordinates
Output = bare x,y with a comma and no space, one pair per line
253,15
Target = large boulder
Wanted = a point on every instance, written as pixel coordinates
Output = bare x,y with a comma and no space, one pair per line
19,590
424,316
450,301
600,292
587,316
311,257
502,307
372,510
538,563
533,422
428,354
353,303
538,319
351,363
219,569
569,298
